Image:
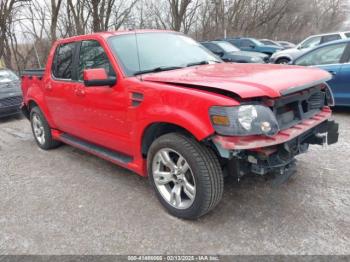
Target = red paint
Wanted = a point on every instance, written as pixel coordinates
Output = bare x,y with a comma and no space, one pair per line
106,115
95,74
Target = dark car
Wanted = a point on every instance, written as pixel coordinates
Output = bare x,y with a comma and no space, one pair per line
10,93
251,44
230,53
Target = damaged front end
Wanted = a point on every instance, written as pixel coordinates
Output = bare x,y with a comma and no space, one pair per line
303,120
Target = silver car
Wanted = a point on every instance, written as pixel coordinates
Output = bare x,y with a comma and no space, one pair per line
288,55
10,93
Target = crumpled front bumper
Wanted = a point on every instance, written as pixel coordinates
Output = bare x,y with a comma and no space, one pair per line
254,142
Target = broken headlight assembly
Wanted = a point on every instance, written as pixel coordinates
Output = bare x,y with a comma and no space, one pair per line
244,120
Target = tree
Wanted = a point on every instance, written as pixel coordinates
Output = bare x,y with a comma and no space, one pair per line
8,9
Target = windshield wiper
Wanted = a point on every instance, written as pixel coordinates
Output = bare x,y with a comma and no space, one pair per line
157,69
204,62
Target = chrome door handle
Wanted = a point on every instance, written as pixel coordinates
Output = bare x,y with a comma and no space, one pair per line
79,92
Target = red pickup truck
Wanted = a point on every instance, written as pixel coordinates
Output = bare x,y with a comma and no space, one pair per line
161,105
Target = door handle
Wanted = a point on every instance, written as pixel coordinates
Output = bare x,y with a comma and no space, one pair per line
48,87
79,92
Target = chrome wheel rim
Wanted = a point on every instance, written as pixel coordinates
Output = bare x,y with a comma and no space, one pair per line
38,129
174,178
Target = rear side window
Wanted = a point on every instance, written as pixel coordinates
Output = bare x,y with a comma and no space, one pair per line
63,63
330,38
247,43
235,42
92,55
347,35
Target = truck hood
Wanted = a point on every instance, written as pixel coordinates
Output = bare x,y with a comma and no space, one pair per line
244,80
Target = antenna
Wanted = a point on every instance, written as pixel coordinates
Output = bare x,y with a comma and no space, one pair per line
138,53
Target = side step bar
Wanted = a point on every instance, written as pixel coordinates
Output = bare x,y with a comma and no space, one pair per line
97,150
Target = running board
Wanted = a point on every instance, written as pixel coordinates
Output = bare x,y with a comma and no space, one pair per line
97,150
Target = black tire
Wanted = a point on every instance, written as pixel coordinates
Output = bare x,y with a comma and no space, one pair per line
49,142
283,61
204,166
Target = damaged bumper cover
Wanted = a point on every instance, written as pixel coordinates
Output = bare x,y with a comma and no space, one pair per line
262,155
253,142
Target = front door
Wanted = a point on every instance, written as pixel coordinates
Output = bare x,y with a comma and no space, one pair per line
101,111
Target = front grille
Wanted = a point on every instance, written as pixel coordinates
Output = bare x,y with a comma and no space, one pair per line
10,101
294,108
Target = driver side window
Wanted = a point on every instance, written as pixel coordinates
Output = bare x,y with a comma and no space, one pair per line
92,55
323,56
247,43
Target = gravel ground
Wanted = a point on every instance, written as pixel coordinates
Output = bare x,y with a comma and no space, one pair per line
66,201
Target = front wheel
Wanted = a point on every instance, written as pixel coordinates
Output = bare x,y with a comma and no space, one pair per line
185,174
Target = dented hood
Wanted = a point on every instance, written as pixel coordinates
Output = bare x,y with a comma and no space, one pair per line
244,80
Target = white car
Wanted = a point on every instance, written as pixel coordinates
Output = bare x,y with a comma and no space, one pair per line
288,55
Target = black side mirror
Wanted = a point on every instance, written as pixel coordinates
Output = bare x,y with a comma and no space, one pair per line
252,46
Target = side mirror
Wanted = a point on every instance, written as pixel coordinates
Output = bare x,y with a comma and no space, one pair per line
221,54
98,77
252,46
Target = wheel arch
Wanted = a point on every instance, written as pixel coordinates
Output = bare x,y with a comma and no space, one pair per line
31,103
283,57
157,129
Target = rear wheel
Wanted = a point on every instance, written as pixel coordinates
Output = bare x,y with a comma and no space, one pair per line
41,130
185,174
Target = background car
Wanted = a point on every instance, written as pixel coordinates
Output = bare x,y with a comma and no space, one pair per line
286,44
10,93
230,53
333,57
286,56
251,44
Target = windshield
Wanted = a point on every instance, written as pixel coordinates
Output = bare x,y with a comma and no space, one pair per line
158,51
256,42
228,47
7,76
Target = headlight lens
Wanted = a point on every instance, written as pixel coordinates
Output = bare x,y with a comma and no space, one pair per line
246,116
244,120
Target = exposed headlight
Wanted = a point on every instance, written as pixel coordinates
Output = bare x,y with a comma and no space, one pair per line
244,120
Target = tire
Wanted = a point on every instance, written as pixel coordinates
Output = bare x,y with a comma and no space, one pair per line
283,61
204,175
41,130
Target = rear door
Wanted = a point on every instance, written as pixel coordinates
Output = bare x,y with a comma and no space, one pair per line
61,84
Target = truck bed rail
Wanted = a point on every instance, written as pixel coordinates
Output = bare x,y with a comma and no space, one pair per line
33,72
